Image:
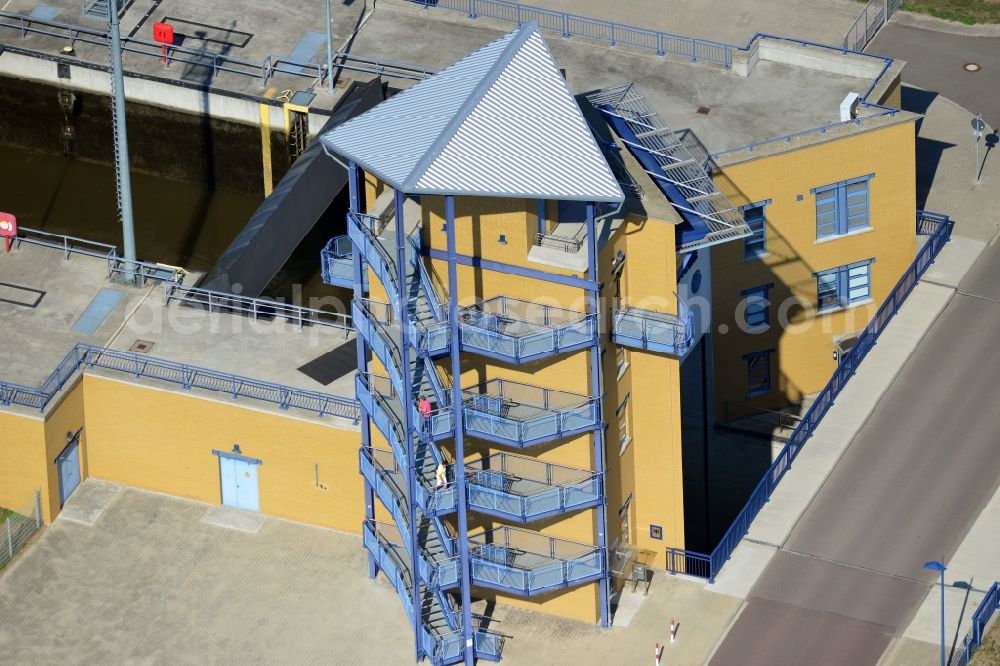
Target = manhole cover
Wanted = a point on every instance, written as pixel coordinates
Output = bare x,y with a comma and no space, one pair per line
141,346
972,67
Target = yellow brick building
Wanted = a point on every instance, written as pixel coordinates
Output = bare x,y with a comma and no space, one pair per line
540,275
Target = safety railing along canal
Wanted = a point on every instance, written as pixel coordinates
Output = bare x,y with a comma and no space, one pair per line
265,69
708,565
573,25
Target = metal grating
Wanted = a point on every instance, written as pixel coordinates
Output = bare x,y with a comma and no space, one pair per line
679,167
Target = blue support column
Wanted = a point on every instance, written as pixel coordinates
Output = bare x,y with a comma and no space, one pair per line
542,227
366,425
456,401
402,308
597,390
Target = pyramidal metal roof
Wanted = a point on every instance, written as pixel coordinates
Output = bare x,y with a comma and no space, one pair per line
499,122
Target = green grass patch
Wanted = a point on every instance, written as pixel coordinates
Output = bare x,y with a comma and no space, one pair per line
968,12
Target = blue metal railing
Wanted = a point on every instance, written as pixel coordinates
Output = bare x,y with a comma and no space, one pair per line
519,331
823,129
526,489
117,266
360,229
337,263
872,17
654,331
694,563
573,25
521,415
980,619
187,376
528,563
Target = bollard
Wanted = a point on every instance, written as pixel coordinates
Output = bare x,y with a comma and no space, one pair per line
673,630
657,651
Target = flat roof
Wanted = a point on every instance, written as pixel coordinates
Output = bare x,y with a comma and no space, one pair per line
775,100
48,304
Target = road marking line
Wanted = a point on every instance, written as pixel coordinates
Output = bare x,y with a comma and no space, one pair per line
6,6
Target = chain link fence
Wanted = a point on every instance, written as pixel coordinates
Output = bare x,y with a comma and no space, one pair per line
18,525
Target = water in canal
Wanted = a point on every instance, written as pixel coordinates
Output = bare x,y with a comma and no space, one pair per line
177,223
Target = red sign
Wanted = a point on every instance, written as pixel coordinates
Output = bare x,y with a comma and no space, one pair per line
163,33
8,229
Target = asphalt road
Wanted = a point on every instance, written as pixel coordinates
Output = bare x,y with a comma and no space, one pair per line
935,61
907,490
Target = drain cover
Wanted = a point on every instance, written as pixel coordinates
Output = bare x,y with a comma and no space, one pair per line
141,346
972,67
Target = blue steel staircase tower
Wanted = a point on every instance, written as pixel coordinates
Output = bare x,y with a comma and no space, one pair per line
469,147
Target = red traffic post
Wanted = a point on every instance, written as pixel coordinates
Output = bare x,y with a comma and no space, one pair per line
8,229
657,653
673,630
163,34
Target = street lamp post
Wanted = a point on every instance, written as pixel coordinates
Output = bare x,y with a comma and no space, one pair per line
935,565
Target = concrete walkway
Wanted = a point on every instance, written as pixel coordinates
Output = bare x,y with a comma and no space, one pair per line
729,21
142,578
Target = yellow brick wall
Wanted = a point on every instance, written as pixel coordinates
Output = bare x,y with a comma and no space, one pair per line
651,465
803,360
22,459
29,446
163,441
67,416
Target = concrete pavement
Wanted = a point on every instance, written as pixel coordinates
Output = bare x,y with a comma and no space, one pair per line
142,578
848,578
825,22
935,62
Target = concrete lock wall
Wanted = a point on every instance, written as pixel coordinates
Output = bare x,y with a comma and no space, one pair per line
803,360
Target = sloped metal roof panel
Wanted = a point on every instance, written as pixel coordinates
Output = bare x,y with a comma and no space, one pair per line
499,122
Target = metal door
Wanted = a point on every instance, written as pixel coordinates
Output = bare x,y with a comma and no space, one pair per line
239,483
68,465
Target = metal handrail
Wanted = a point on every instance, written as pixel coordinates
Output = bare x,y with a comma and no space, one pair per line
487,538
546,477
989,604
188,376
568,245
823,129
362,224
780,419
219,301
880,11
492,321
569,25
849,363
544,405
218,62
68,244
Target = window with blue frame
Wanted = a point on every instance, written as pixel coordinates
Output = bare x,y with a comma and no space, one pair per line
758,372
842,286
754,215
842,208
756,312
